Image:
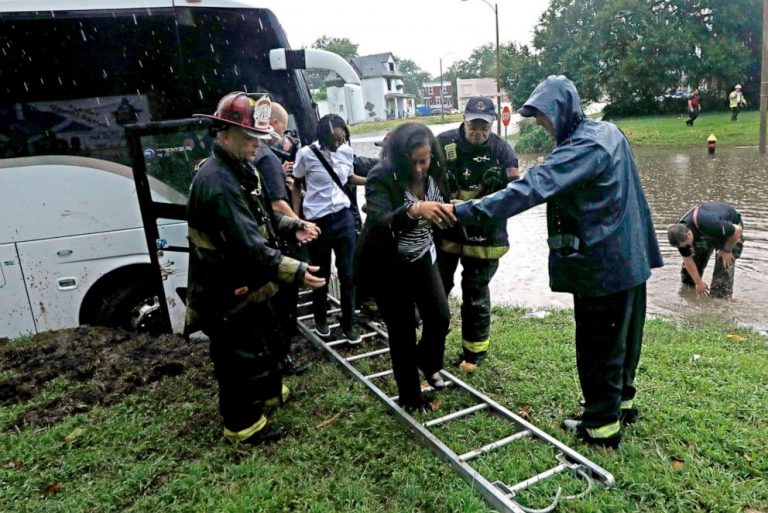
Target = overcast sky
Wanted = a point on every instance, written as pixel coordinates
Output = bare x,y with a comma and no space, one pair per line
420,30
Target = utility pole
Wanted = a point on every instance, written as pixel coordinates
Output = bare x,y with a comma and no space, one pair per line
764,80
442,107
498,72
495,8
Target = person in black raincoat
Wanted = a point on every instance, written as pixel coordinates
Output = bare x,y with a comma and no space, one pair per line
396,258
602,248
234,267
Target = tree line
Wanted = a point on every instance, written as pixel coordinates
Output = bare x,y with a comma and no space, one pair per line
632,52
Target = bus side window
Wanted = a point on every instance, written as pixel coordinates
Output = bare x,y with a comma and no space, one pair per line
72,95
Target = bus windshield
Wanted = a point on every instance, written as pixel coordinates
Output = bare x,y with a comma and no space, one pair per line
71,92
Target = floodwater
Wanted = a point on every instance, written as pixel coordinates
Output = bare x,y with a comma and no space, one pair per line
674,180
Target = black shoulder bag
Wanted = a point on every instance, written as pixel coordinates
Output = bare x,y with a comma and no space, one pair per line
337,181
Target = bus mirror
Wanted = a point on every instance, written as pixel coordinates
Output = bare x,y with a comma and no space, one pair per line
353,96
311,58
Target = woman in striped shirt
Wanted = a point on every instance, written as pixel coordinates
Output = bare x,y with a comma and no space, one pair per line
405,197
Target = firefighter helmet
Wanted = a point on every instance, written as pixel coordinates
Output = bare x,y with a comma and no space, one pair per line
738,86
246,111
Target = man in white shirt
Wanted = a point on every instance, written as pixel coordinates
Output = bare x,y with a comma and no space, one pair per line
325,167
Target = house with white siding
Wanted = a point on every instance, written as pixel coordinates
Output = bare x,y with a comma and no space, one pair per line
382,86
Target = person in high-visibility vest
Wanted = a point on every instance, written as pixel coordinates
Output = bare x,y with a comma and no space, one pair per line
478,162
736,102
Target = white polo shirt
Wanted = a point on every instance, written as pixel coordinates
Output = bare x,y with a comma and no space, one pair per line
323,196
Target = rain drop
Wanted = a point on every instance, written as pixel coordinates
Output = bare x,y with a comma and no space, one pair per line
26,87
212,50
200,93
82,33
104,73
141,65
135,21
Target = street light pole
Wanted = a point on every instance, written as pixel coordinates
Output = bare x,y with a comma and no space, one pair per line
495,8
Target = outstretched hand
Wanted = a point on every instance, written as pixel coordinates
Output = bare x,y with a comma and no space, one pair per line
307,232
702,289
312,281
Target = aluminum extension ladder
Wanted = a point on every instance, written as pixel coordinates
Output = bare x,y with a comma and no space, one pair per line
499,495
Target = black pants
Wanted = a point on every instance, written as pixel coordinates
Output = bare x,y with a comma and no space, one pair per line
722,277
609,334
692,115
285,302
735,113
475,293
411,285
337,236
244,363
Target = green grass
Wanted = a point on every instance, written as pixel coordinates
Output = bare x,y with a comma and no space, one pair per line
382,126
698,447
671,131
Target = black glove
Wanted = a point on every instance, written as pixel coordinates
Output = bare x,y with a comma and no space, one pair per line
493,179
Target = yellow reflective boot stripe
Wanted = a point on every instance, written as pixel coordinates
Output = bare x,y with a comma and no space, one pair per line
274,401
239,436
625,405
476,347
606,431
467,195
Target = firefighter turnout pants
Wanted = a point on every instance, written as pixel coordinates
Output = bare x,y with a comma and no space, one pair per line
475,297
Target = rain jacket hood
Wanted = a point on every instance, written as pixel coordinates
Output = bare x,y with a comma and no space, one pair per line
557,98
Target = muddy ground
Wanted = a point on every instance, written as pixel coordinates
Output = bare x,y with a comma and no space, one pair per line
106,364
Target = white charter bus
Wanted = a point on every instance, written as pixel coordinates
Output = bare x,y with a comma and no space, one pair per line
72,75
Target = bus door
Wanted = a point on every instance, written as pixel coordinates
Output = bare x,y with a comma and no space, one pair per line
168,152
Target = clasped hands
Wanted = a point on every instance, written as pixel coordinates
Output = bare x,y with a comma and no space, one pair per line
439,214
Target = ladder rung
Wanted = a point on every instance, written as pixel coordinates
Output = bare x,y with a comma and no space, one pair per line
304,292
379,374
367,355
494,445
456,415
309,316
302,305
522,485
336,342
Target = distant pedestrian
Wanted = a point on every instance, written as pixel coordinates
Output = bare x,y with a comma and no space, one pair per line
694,108
736,101
701,230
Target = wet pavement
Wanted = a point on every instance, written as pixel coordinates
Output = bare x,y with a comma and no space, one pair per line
674,180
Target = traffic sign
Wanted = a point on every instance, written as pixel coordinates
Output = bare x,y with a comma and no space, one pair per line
506,115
